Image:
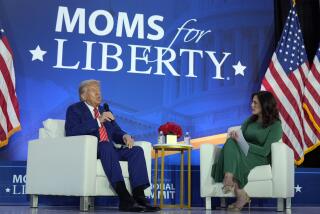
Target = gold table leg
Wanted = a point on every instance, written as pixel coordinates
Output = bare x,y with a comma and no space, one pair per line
189,178
162,178
155,180
181,180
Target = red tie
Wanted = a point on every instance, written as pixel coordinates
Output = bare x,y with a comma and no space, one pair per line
102,130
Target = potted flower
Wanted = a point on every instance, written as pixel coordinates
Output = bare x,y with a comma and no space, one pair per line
172,131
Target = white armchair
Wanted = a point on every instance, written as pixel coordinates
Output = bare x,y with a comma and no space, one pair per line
267,181
68,166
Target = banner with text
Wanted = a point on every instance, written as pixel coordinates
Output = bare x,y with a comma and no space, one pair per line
195,63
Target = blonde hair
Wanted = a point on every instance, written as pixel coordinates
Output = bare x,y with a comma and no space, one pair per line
84,84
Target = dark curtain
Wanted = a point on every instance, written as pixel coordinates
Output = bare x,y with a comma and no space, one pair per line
309,17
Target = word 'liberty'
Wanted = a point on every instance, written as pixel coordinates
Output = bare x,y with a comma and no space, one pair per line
144,59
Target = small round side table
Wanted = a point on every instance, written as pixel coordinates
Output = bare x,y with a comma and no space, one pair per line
176,147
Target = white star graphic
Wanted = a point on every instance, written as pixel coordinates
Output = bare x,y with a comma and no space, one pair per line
7,189
298,188
1,30
239,69
37,54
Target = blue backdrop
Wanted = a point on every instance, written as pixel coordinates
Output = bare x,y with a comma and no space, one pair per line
195,63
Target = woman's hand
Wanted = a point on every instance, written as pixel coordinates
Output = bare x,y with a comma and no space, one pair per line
234,135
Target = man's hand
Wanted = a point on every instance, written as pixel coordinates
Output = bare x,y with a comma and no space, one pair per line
128,140
106,116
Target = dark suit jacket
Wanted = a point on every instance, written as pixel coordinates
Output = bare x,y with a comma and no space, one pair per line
79,121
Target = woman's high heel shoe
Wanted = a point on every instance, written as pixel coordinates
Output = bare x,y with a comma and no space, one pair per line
228,183
233,207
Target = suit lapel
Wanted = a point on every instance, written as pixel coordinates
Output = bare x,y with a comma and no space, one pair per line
85,110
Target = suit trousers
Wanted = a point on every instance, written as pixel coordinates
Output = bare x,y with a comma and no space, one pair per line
110,157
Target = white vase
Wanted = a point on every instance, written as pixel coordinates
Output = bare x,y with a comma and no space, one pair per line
171,139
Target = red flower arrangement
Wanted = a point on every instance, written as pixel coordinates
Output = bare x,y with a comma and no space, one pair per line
171,128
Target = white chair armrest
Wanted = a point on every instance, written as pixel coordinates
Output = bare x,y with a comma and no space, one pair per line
43,133
146,146
209,154
62,166
282,170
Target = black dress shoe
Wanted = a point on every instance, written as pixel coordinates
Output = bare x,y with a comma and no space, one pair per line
142,201
150,208
127,203
131,207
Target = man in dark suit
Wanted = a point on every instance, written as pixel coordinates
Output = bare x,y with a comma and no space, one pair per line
84,118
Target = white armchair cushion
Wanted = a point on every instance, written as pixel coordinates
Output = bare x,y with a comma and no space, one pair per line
52,128
260,173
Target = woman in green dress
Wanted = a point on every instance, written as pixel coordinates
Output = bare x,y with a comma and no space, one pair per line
260,130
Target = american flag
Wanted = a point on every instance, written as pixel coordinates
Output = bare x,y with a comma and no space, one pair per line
285,78
312,98
9,107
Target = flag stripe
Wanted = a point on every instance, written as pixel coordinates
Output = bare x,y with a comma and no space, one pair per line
286,85
5,64
290,90
312,105
316,65
310,137
296,79
7,57
5,113
286,123
295,153
3,134
311,130
6,43
313,84
9,107
287,101
9,97
312,96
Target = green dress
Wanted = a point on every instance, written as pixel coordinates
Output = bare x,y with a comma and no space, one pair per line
234,161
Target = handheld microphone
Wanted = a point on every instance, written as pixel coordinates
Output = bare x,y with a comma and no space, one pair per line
106,108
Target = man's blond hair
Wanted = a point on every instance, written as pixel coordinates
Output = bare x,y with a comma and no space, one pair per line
84,84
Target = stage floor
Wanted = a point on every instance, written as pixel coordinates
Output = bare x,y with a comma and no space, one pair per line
196,210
